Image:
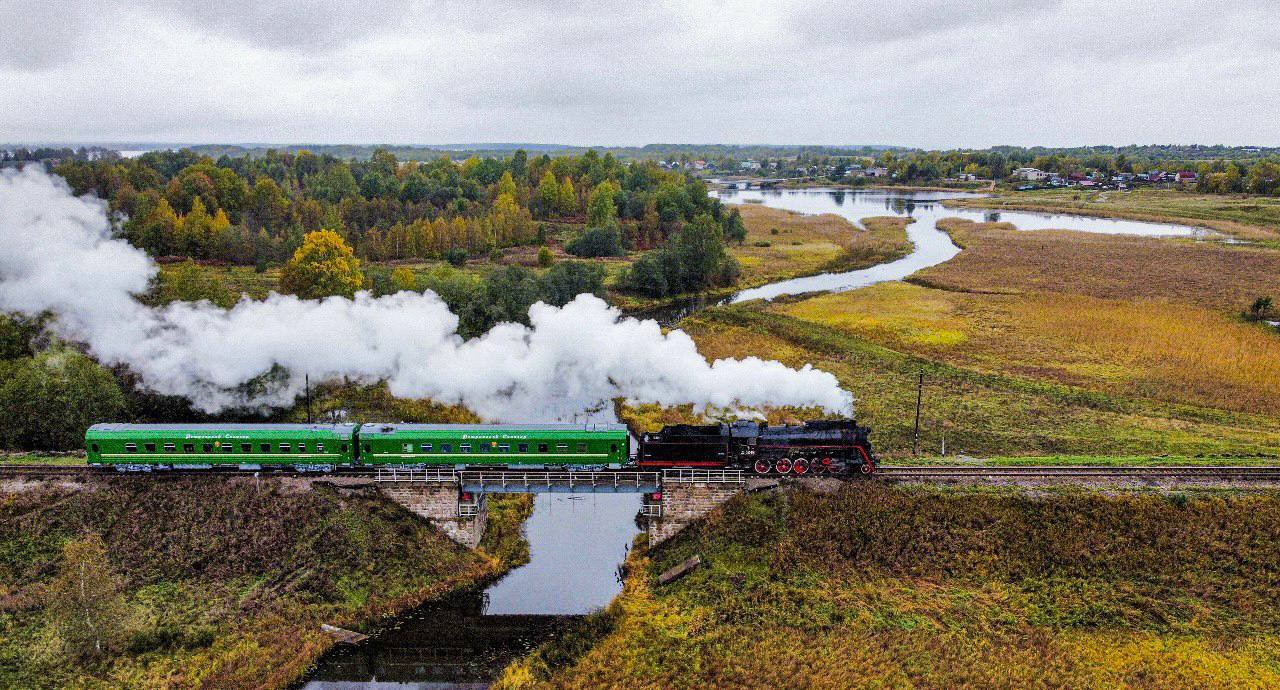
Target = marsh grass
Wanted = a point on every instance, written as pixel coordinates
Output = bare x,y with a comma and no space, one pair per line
888,587
226,582
806,244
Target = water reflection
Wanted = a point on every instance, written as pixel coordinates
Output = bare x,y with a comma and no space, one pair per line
576,544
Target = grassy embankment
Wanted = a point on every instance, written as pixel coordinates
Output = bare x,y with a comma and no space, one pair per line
1044,343
1248,217
876,586
221,584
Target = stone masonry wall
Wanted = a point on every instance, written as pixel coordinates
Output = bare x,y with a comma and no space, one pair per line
438,503
684,502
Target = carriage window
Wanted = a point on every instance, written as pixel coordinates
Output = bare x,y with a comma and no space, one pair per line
302,447
285,447
523,448
188,447
504,448
426,447
613,447
264,447
342,448
366,448
169,447
582,447
130,447
94,447
151,447
226,447
208,447
542,447
408,447
319,447
246,447
562,448
446,447
464,448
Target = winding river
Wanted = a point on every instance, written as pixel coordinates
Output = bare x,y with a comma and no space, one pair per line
932,246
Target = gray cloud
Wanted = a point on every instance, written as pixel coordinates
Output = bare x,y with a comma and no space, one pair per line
927,73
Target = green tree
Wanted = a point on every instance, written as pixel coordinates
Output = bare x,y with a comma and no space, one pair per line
86,601
734,229
600,207
507,185
267,206
545,257
50,399
547,196
334,184
568,279
324,265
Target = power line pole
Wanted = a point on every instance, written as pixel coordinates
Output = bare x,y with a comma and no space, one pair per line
307,379
915,443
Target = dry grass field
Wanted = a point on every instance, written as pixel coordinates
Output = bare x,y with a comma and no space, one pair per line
1249,217
796,244
878,587
998,258
1187,354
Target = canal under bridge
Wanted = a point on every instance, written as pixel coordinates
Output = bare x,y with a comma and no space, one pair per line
454,500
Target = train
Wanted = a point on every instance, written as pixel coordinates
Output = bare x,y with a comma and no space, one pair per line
834,447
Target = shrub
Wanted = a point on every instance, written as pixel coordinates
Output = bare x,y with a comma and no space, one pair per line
545,258
603,241
568,279
456,256
50,399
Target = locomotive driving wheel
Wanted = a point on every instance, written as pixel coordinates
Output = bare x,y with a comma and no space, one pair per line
762,466
783,465
801,466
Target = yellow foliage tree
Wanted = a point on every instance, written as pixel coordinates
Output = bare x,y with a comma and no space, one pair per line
403,279
324,265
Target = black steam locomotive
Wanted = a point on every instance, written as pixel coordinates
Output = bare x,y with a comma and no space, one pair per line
837,447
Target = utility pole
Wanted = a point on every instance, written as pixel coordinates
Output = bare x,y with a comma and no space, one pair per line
915,442
307,379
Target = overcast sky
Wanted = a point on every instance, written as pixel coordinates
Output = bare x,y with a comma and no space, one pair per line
925,73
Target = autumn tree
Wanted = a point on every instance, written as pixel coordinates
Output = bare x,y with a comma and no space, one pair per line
50,399
86,600
188,282
403,279
546,198
324,265
600,207
567,198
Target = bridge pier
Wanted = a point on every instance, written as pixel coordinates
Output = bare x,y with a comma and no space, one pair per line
687,495
460,516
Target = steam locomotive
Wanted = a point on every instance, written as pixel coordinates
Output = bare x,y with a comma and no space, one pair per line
836,447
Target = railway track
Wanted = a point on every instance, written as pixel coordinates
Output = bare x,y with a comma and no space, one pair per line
1200,472
1204,473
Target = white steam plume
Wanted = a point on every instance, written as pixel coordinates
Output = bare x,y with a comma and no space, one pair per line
57,255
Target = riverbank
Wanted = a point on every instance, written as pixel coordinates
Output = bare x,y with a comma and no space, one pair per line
210,584
1006,588
1255,219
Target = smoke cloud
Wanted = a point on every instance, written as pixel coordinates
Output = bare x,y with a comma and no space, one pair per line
57,255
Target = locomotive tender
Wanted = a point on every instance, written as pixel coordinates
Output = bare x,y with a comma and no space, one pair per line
838,447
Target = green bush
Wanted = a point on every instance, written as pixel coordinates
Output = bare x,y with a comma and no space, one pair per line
604,241
49,400
456,256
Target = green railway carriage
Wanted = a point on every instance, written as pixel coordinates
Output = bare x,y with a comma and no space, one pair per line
495,445
242,445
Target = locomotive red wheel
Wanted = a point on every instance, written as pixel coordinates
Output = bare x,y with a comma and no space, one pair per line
801,466
867,468
762,466
783,465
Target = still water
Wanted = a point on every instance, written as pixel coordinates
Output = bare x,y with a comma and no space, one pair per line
576,543
932,246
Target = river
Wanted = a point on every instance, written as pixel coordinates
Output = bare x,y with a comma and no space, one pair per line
578,542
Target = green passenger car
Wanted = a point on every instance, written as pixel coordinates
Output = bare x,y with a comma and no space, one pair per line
495,445
201,445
